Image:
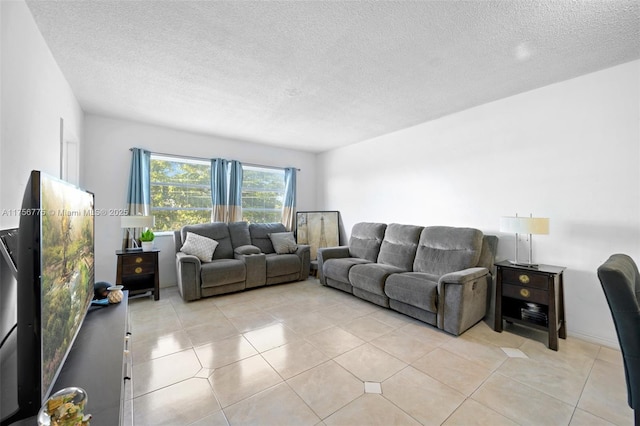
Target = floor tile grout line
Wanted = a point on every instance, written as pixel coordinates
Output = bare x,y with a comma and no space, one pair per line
534,389
584,385
437,345
491,374
305,402
403,410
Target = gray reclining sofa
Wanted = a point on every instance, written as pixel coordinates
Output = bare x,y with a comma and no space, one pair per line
438,274
244,258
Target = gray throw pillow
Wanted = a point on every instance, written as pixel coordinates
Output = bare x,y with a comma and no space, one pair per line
199,246
283,242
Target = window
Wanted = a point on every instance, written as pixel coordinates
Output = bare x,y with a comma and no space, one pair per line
180,192
262,194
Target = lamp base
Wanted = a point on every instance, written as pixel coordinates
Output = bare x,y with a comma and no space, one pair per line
524,264
132,249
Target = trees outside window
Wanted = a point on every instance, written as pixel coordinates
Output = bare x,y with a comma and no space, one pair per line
181,192
262,194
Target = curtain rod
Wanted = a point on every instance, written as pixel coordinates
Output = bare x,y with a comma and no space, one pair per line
188,157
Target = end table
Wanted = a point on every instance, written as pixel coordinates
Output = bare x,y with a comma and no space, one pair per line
533,297
138,272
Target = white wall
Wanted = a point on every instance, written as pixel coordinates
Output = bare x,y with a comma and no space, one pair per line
35,95
106,161
569,151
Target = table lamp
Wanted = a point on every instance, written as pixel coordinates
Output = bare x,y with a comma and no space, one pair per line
133,222
525,225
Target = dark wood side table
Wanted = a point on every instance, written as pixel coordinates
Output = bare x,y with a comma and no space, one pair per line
138,272
533,297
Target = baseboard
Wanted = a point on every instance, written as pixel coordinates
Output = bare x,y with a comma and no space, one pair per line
599,340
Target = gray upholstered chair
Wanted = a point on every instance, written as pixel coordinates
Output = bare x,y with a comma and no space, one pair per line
621,284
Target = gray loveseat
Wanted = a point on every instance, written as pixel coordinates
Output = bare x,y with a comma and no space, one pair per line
438,274
243,258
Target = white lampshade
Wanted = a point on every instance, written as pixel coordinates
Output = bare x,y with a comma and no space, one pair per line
525,225
137,221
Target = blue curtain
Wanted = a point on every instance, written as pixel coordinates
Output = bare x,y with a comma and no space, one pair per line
219,184
289,206
139,191
234,213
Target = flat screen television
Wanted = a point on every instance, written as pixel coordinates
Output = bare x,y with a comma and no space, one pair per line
55,278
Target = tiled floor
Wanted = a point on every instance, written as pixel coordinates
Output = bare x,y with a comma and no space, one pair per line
300,354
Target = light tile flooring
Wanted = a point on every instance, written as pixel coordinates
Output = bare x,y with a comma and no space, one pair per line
303,354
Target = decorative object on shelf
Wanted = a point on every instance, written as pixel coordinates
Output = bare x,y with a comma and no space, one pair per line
131,223
146,239
115,294
317,229
65,408
100,290
524,225
534,312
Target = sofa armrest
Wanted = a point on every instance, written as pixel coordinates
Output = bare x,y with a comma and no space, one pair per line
304,253
256,267
461,277
327,253
188,271
462,299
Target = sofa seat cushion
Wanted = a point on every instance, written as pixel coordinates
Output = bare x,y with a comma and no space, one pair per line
414,288
222,272
371,277
338,269
282,264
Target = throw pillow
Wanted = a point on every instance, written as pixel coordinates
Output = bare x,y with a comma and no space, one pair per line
283,242
199,246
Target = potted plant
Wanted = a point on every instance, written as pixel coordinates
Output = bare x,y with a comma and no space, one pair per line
146,238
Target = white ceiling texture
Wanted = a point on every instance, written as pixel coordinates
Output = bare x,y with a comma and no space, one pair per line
316,75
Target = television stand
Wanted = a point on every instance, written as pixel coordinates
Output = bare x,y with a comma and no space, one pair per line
98,364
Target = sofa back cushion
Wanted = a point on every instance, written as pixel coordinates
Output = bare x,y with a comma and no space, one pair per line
239,232
217,231
399,245
366,239
444,249
260,235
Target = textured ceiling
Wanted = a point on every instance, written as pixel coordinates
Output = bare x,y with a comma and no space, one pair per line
315,75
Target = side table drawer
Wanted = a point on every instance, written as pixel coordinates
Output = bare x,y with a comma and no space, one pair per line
525,293
139,258
139,264
525,278
138,269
